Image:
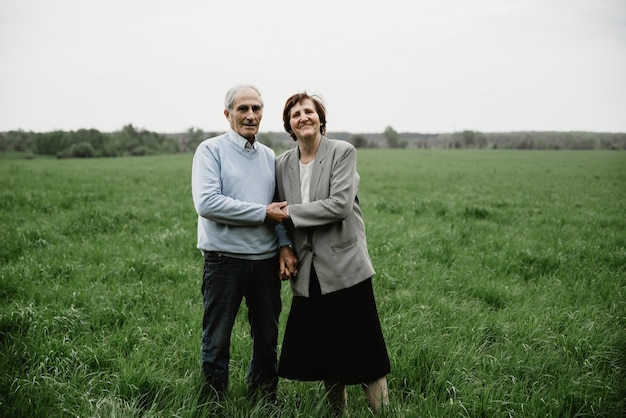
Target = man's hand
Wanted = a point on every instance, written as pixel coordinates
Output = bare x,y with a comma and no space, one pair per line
288,263
275,213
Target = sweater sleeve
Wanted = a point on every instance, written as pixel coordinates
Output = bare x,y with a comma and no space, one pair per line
208,199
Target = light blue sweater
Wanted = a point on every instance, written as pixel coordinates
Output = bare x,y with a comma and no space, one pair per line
231,186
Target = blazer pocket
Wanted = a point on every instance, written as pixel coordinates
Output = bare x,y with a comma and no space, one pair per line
344,245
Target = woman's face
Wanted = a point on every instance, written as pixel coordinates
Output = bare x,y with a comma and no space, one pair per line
304,120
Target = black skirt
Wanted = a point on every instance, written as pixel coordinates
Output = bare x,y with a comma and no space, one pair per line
334,337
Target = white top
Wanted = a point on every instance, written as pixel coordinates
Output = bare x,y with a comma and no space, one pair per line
305,181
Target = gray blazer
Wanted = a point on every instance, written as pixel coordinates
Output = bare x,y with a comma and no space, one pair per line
329,231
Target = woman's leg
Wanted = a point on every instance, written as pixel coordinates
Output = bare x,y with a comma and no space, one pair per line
376,393
337,395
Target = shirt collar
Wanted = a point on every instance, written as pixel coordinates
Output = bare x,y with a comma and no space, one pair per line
240,140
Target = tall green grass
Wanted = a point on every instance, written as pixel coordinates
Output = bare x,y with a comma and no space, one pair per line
501,281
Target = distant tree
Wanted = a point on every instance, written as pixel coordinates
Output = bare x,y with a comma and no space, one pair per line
191,139
132,141
266,139
67,144
468,139
82,150
96,140
359,141
48,143
16,141
168,145
481,140
392,137
126,140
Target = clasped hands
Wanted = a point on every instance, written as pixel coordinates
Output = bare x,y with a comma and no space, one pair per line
277,212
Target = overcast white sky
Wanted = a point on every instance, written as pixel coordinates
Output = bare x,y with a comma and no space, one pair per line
419,66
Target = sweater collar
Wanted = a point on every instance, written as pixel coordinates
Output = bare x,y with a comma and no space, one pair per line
240,140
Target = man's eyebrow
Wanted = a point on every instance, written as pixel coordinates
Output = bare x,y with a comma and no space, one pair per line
243,106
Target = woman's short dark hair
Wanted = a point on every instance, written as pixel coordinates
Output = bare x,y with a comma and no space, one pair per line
300,98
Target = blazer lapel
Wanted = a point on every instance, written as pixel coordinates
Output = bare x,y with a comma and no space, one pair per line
294,177
318,168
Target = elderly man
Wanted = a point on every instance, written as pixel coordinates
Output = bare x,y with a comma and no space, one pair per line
239,235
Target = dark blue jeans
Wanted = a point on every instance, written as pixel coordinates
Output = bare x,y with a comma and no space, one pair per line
226,281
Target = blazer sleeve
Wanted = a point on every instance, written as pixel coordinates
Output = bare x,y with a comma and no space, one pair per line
334,203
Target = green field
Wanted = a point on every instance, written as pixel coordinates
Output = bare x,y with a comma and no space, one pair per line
501,287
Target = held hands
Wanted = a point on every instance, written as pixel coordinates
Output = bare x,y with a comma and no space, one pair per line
276,212
288,263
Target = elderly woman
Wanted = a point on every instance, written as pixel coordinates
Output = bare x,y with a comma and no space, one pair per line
333,332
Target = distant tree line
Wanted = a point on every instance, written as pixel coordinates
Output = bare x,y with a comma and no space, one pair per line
87,143
467,139
130,141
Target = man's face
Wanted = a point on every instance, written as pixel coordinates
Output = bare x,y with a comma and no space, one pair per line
245,117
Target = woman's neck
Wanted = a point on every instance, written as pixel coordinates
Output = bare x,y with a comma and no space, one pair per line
308,148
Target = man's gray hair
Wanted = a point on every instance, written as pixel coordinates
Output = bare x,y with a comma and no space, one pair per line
229,100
